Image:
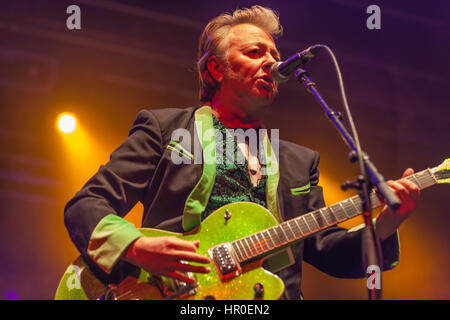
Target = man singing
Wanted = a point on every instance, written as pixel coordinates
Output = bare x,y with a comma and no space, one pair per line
236,52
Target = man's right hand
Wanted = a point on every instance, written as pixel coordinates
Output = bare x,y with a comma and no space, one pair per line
163,255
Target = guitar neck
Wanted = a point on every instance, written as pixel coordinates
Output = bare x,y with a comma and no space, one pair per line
291,231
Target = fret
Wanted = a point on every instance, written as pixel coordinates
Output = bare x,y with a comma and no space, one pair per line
250,252
281,234
358,202
416,178
263,240
246,248
269,237
300,221
258,236
311,222
253,247
375,200
333,213
339,212
428,178
343,208
431,177
416,181
297,226
304,224
311,214
357,210
351,208
239,242
254,241
330,216
324,215
321,221
288,230
237,251
273,234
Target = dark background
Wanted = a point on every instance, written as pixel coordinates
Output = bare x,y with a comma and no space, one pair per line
130,55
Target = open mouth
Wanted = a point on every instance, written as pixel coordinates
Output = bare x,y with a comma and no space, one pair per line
266,81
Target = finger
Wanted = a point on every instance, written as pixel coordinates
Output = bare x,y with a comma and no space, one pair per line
184,267
178,276
409,188
408,172
190,256
408,194
402,191
413,189
394,185
180,244
397,186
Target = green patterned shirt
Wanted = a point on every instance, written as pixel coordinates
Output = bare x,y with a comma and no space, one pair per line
232,183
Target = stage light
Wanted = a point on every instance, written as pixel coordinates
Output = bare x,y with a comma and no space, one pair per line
67,123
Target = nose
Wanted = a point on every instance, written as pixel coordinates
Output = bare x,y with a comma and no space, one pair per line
269,60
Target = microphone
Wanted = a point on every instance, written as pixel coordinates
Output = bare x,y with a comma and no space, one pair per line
281,71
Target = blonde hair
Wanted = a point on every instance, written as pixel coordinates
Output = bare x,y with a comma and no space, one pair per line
213,40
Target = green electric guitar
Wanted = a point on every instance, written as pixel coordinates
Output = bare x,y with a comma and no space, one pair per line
239,238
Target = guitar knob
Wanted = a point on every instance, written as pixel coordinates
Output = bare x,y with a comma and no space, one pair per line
259,290
210,298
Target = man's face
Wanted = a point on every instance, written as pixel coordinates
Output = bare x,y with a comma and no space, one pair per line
246,79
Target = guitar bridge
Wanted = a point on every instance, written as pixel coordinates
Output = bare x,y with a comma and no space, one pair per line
226,264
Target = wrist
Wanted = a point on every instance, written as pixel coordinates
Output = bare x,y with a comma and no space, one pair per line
383,229
130,253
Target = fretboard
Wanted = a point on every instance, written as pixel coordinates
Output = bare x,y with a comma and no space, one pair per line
291,231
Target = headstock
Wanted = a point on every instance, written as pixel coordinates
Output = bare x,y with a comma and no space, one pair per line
442,172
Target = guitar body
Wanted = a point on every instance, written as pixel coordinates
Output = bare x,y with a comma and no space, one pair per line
246,218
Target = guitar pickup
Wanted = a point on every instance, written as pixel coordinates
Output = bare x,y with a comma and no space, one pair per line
225,262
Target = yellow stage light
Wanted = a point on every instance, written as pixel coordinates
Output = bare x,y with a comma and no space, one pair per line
67,123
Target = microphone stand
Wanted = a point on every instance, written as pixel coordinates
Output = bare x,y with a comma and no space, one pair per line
369,178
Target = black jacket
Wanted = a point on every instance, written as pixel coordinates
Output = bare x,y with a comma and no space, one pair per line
141,169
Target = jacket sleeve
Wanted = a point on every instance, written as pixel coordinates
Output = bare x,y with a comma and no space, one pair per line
338,251
94,216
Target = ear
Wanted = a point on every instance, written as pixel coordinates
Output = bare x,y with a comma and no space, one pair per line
215,68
